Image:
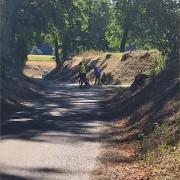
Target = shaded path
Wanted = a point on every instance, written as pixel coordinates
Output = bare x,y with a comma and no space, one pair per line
54,137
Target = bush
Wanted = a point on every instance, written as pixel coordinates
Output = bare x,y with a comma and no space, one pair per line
160,65
161,150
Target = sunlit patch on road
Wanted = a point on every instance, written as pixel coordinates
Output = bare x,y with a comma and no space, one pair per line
20,120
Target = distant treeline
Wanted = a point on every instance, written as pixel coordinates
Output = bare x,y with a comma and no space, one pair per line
76,25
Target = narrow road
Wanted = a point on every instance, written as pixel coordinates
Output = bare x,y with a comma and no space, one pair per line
54,137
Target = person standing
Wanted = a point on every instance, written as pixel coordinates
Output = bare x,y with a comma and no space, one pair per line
97,73
82,74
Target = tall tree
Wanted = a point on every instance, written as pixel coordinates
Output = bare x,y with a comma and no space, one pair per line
127,13
161,24
150,22
23,24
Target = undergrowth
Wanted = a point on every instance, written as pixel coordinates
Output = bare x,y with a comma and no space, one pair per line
161,149
160,65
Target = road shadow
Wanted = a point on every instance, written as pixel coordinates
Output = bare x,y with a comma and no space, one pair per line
29,176
69,112
4,176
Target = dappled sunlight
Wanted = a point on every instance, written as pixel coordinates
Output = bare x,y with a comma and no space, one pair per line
26,170
56,112
20,120
68,110
40,172
51,105
66,122
31,104
89,80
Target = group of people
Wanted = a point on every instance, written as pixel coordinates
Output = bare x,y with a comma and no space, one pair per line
82,75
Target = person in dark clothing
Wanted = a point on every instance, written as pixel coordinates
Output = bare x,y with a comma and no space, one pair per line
97,73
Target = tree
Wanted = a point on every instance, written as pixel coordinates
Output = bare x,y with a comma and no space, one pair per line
127,13
80,24
162,25
149,22
24,24
114,31
114,34
98,14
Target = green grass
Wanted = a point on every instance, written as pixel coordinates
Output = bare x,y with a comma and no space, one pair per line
160,65
91,53
40,58
117,55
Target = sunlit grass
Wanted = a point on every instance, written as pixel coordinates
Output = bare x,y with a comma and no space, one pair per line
117,55
92,53
40,58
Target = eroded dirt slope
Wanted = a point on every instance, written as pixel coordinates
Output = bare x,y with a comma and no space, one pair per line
116,69
37,69
145,127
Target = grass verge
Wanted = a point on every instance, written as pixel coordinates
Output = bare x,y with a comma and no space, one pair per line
40,58
161,150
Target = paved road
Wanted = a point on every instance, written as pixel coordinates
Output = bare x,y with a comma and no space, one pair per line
55,137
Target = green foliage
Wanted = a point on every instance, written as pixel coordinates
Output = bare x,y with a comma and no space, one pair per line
128,14
153,23
79,25
160,33
117,55
113,35
147,46
160,65
98,14
90,53
24,24
162,148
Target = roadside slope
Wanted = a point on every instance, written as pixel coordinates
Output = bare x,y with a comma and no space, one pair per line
143,142
14,91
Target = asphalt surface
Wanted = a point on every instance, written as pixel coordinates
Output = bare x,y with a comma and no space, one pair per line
54,137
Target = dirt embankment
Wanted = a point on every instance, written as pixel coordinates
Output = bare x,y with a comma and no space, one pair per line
143,141
117,68
14,91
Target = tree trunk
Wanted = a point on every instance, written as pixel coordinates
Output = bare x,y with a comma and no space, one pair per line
124,40
8,36
58,62
65,51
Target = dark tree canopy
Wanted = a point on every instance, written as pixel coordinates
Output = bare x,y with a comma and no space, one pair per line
77,25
